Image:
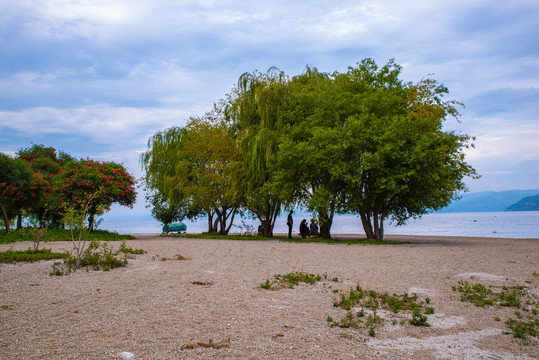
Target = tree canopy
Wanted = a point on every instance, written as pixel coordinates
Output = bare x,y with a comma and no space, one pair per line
362,141
42,182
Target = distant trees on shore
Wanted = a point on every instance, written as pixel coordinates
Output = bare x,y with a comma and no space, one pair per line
41,182
362,142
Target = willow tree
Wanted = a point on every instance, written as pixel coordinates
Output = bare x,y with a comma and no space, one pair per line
400,162
256,115
168,203
188,172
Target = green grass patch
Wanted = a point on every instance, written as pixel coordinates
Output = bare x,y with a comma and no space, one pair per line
290,280
284,239
220,236
482,296
370,302
522,329
99,257
526,323
30,255
348,242
61,235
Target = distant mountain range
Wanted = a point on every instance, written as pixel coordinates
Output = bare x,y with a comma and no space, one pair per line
529,203
489,201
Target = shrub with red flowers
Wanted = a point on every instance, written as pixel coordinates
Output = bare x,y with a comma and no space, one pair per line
79,180
14,175
41,181
33,197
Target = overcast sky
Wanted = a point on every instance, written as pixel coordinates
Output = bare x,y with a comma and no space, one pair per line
98,78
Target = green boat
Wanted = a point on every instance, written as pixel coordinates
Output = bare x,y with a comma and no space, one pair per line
175,227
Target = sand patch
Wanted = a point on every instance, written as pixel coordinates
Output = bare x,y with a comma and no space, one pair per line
457,346
483,277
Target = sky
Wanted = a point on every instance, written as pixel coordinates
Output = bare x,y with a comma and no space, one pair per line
98,78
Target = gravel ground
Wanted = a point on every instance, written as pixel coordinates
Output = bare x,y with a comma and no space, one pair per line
211,306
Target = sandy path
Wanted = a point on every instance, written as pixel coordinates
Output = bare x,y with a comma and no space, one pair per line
151,308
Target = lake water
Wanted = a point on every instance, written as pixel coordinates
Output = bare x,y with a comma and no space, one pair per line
517,224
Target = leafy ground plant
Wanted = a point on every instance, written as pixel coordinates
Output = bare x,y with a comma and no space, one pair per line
290,280
99,256
55,234
30,255
368,304
527,320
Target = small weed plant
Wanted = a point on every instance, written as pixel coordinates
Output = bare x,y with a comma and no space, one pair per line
36,229
99,256
373,302
526,323
124,248
290,280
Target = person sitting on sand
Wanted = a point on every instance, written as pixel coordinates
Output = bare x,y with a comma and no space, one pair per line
313,228
304,228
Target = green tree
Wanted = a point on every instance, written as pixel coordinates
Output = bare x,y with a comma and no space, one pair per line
256,111
14,174
311,155
168,202
401,164
189,171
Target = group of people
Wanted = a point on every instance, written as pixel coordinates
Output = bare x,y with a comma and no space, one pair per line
304,229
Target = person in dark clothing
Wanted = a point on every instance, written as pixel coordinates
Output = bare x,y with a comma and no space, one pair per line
304,229
313,228
290,223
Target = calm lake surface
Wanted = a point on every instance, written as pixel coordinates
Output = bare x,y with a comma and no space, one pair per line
517,224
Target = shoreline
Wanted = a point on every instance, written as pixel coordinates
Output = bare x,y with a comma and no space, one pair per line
391,237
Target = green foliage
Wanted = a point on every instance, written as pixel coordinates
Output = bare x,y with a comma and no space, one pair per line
104,183
219,236
522,329
418,319
188,172
348,242
15,176
527,321
255,111
373,302
99,256
477,294
361,141
482,296
290,280
54,234
30,255
124,248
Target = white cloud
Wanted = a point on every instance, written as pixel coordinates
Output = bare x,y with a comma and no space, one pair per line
117,71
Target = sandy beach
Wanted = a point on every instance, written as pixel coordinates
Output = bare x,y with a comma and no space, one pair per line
211,306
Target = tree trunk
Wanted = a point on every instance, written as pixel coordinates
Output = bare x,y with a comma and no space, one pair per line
231,221
267,218
215,227
4,214
373,227
267,229
367,226
325,225
210,222
91,220
19,220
